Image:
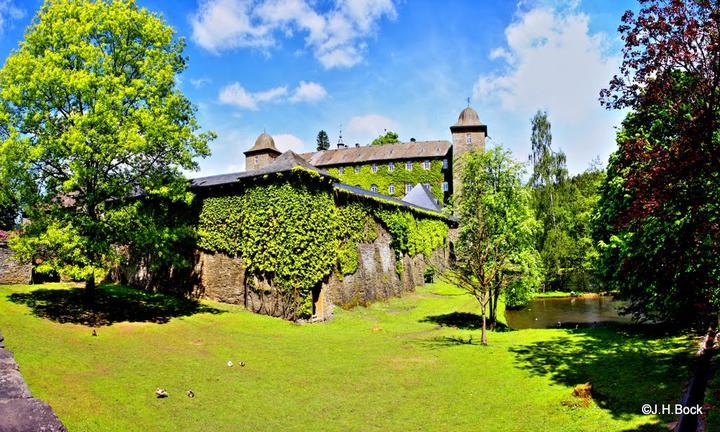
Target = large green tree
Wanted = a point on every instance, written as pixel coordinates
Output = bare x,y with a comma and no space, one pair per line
92,118
562,205
658,220
494,251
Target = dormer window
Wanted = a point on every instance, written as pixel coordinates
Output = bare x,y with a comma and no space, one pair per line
391,166
374,168
408,165
426,164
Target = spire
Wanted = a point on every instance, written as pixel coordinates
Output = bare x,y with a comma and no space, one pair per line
340,143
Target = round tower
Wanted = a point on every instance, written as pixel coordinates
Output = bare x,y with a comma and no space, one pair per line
261,154
468,134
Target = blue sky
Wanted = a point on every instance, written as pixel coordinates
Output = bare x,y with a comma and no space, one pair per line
293,67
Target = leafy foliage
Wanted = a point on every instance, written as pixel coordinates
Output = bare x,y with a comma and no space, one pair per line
293,232
389,137
92,115
495,248
399,176
658,216
562,206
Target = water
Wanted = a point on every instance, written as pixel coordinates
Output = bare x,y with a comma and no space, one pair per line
568,311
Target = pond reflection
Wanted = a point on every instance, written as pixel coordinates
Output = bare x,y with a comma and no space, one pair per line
567,312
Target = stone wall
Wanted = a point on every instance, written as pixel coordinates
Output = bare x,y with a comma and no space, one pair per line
11,271
19,411
223,278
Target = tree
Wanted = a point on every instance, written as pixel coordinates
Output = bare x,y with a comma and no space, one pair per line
548,181
92,118
389,137
494,250
657,220
323,142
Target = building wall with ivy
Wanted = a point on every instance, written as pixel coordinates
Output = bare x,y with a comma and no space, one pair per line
295,232
392,182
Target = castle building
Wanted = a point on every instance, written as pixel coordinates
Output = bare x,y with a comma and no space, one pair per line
392,170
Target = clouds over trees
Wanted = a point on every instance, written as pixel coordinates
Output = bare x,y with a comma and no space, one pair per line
336,36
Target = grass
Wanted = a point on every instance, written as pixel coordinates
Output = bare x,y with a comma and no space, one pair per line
552,294
396,365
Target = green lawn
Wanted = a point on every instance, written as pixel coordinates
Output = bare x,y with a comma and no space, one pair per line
387,367
552,294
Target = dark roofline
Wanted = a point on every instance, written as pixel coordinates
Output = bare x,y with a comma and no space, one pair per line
354,190
288,161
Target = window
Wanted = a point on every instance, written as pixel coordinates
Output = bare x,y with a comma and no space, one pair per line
445,163
408,165
391,189
373,188
257,158
357,168
468,138
408,187
445,187
391,167
426,164
341,170
427,186
374,168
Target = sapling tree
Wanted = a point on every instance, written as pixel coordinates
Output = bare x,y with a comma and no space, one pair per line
494,249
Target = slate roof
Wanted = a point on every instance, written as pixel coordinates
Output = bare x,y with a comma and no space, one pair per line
370,194
385,152
468,117
263,142
421,196
283,163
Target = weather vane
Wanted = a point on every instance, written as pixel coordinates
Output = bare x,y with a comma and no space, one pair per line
468,101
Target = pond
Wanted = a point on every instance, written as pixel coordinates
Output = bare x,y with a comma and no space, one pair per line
567,312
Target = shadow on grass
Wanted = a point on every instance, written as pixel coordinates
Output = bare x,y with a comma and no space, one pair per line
626,367
110,304
462,320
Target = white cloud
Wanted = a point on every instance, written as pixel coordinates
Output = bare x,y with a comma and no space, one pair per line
9,12
308,92
365,128
551,61
235,94
285,142
200,82
336,36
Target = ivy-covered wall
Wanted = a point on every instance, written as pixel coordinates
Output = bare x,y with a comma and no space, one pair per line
294,230
399,176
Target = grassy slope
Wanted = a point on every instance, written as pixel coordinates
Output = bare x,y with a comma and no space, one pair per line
380,368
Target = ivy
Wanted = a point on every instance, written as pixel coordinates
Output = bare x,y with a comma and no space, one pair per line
293,231
383,178
413,236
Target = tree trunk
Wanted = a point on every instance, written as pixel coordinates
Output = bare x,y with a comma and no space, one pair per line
90,288
483,338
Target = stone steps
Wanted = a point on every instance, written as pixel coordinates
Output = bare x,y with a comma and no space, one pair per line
19,411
